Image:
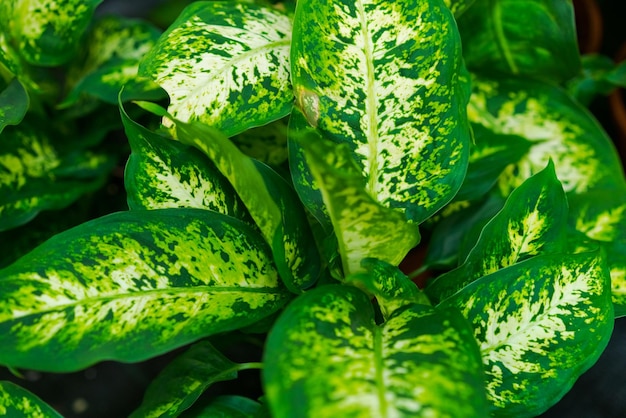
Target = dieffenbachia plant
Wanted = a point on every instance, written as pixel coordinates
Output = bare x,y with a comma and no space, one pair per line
283,159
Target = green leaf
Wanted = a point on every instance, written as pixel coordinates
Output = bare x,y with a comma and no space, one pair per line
559,129
327,357
532,38
132,285
227,406
182,381
458,7
46,32
364,228
533,221
18,402
14,102
163,173
36,174
225,64
599,75
272,203
109,60
387,79
540,324
267,143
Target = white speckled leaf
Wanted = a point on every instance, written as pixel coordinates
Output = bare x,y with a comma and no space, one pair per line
326,357
163,173
132,285
559,129
225,64
386,78
18,402
46,32
533,221
364,228
36,174
540,324
14,102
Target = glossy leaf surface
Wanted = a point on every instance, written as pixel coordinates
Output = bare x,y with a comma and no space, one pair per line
14,103
227,406
225,64
364,227
163,173
327,357
132,285
540,324
182,381
18,402
558,127
46,32
533,38
36,174
385,78
532,222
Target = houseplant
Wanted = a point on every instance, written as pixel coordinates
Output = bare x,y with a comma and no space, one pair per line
301,151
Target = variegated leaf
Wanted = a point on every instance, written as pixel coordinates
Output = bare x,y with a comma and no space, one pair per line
18,402
109,60
183,380
617,265
14,102
326,357
225,64
386,79
46,32
533,221
267,143
531,38
559,129
458,7
163,173
36,174
540,324
154,279
364,227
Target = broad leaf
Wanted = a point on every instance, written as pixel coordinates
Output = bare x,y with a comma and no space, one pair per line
132,285
46,32
272,203
364,228
559,129
326,357
18,402
533,38
163,173
227,406
458,7
109,60
540,324
182,381
36,175
14,102
386,78
533,221
225,64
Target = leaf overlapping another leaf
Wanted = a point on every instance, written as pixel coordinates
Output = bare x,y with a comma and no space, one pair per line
18,402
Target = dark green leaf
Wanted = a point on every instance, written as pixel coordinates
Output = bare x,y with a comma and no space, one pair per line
132,285
14,104
540,324
533,38
326,357
227,406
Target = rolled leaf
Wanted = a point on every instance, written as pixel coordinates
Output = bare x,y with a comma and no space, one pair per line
540,324
163,173
225,64
532,222
46,32
364,228
132,285
386,79
182,381
36,174
14,102
559,129
18,402
327,357
532,38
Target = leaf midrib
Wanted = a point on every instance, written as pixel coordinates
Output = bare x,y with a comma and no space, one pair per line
498,31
